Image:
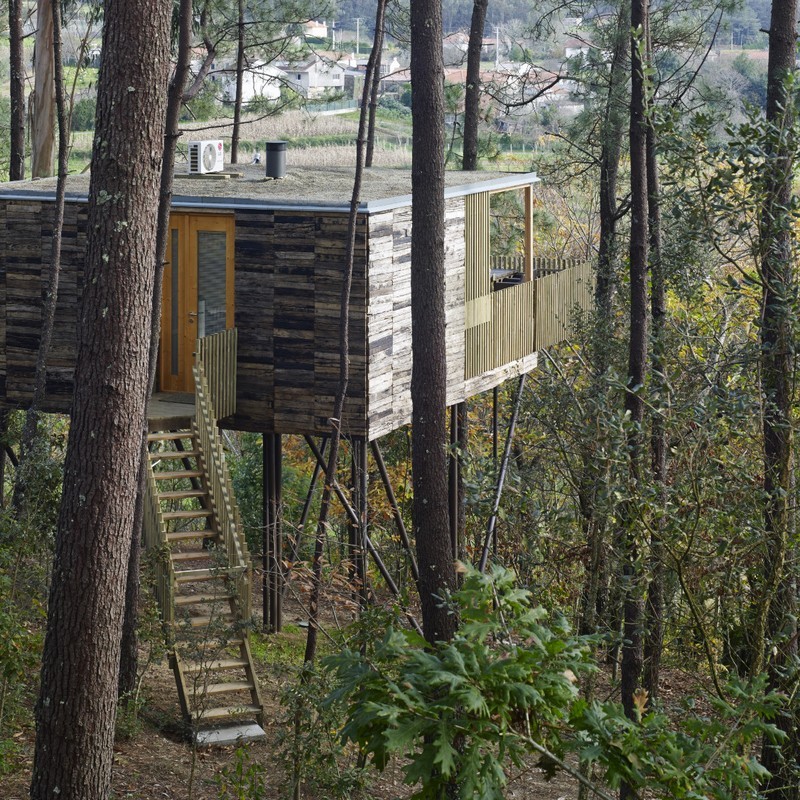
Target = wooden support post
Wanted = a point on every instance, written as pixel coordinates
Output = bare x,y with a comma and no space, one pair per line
359,527
491,537
273,540
454,477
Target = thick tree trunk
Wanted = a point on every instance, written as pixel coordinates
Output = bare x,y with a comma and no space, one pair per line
472,93
237,103
44,107
16,63
631,663
80,665
429,375
776,621
129,658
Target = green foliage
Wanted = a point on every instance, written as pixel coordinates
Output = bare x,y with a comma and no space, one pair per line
707,756
461,710
505,688
245,780
307,746
203,107
83,114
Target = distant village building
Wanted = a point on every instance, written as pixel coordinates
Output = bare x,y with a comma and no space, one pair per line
313,29
259,81
315,77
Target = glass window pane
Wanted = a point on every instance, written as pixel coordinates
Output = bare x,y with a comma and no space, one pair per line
211,281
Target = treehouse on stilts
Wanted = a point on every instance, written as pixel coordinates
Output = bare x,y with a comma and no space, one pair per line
249,341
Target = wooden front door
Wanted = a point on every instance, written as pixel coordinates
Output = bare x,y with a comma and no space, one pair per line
197,293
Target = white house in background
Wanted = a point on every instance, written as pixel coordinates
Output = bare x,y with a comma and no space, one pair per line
313,29
315,77
259,81
576,47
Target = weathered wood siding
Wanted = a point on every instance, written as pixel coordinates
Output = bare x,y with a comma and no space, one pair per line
389,314
289,270
26,230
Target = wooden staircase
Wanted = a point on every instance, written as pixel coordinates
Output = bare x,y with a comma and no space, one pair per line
202,576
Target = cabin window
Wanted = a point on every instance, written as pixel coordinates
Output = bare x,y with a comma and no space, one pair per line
211,282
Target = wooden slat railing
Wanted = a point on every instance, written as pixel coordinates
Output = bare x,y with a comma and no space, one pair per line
155,539
557,296
217,353
528,316
220,486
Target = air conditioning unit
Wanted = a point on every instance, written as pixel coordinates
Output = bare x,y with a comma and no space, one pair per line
208,156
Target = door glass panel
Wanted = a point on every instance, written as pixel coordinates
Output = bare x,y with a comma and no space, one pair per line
211,282
174,325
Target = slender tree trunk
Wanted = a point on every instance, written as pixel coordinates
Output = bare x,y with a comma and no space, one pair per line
373,98
129,658
472,93
631,663
16,62
31,425
429,374
776,616
237,103
654,608
80,664
44,108
344,352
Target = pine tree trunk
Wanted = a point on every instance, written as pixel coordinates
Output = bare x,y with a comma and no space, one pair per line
16,63
80,664
429,374
237,103
472,93
631,663
776,625
44,107
129,658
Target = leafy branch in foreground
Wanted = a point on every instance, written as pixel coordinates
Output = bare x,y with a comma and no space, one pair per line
504,690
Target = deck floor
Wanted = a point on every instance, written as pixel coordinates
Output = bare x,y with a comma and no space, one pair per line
170,411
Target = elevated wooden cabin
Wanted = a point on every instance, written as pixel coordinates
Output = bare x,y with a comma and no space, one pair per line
266,257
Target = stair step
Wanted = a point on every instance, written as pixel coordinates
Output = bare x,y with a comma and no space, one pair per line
191,555
225,711
168,454
174,474
168,436
181,536
182,494
199,574
205,621
192,599
194,513
216,666
233,686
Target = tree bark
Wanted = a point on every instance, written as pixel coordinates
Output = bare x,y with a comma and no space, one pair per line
472,93
344,350
429,374
44,108
16,62
237,103
373,97
31,425
129,658
776,623
80,665
654,607
631,663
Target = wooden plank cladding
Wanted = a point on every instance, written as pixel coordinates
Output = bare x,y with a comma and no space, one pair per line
289,261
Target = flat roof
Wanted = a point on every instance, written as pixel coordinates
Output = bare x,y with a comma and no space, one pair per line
323,188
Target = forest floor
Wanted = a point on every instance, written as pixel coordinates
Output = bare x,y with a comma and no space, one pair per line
153,760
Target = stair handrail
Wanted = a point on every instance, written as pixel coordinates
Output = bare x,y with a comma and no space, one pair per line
220,488
155,539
